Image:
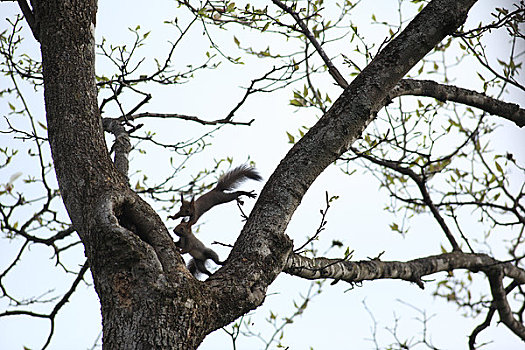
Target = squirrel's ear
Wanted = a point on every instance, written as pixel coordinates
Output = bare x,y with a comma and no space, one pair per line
192,201
181,197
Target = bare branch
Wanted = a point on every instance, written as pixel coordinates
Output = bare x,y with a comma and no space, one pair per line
494,25
421,184
188,117
304,29
51,316
321,227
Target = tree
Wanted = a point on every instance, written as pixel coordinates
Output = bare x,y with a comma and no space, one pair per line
148,298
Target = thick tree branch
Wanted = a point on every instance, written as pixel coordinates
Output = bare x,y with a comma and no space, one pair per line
262,248
121,146
412,271
488,319
415,270
502,305
441,92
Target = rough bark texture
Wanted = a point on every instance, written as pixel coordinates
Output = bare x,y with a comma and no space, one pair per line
148,298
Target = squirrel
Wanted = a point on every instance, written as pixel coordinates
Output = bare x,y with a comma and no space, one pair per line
217,195
188,243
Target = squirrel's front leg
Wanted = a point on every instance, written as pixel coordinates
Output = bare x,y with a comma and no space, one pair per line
181,246
250,194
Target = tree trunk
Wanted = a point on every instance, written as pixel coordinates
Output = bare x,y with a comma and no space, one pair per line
148,299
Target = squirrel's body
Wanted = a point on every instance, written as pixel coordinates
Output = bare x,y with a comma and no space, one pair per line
217,195
188,243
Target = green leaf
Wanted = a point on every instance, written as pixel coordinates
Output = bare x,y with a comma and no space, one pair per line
296,102
291,139
498,167
394,227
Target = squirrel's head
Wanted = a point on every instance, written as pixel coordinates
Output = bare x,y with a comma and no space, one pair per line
183,229
187,208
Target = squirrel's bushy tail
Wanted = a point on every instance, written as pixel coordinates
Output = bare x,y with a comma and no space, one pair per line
234,177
